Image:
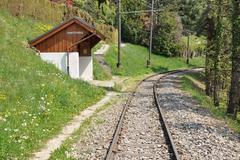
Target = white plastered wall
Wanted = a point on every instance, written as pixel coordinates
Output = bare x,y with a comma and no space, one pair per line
86,68
79,67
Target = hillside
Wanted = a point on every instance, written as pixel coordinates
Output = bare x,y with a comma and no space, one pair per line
134,61
36,99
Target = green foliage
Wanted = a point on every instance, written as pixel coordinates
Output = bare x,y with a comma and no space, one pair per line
190,12
167,26
105,13
197,44
109,32
133,25
102,15
36,99
134,61
234,96
167,34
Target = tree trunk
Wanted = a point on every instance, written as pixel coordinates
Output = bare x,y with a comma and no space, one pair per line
207,76
234,95
210,37
218,50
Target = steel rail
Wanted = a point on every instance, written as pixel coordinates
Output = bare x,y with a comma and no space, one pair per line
113,144
166,129
161,116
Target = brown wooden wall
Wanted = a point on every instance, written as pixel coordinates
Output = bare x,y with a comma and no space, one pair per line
61,41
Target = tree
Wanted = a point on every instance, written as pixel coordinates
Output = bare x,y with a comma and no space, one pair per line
191,11
210,37
102,11
218,49
234,95
167,28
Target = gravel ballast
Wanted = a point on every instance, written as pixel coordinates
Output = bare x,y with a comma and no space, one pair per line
142,136
196,133
94,142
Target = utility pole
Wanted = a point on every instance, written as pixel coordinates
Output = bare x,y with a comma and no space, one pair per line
188,46
151,36
119,34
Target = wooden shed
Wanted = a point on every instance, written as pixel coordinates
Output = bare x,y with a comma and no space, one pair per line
68,46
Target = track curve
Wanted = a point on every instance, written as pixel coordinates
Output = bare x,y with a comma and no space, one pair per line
121,139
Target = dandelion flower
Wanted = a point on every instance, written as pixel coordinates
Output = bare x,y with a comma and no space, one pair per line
24,124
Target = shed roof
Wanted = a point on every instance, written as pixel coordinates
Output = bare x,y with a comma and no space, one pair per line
79,21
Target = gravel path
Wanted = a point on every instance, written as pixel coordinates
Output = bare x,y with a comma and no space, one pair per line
95,141
196,133
142,136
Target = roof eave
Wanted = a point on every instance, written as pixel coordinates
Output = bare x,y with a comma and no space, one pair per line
78,20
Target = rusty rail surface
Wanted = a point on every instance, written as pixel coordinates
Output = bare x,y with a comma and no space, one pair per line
167,133
117,132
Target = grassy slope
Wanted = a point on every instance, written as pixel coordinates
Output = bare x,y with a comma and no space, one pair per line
134,61
36,99
98,71
205,101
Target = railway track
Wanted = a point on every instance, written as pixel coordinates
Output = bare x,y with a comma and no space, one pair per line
158,134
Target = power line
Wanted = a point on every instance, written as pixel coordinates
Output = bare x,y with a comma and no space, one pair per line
141,11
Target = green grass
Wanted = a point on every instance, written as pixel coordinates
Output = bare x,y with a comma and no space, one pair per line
206,102
134,59
98,71
60,153
36,99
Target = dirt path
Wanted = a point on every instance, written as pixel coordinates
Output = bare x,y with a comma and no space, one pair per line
196,133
